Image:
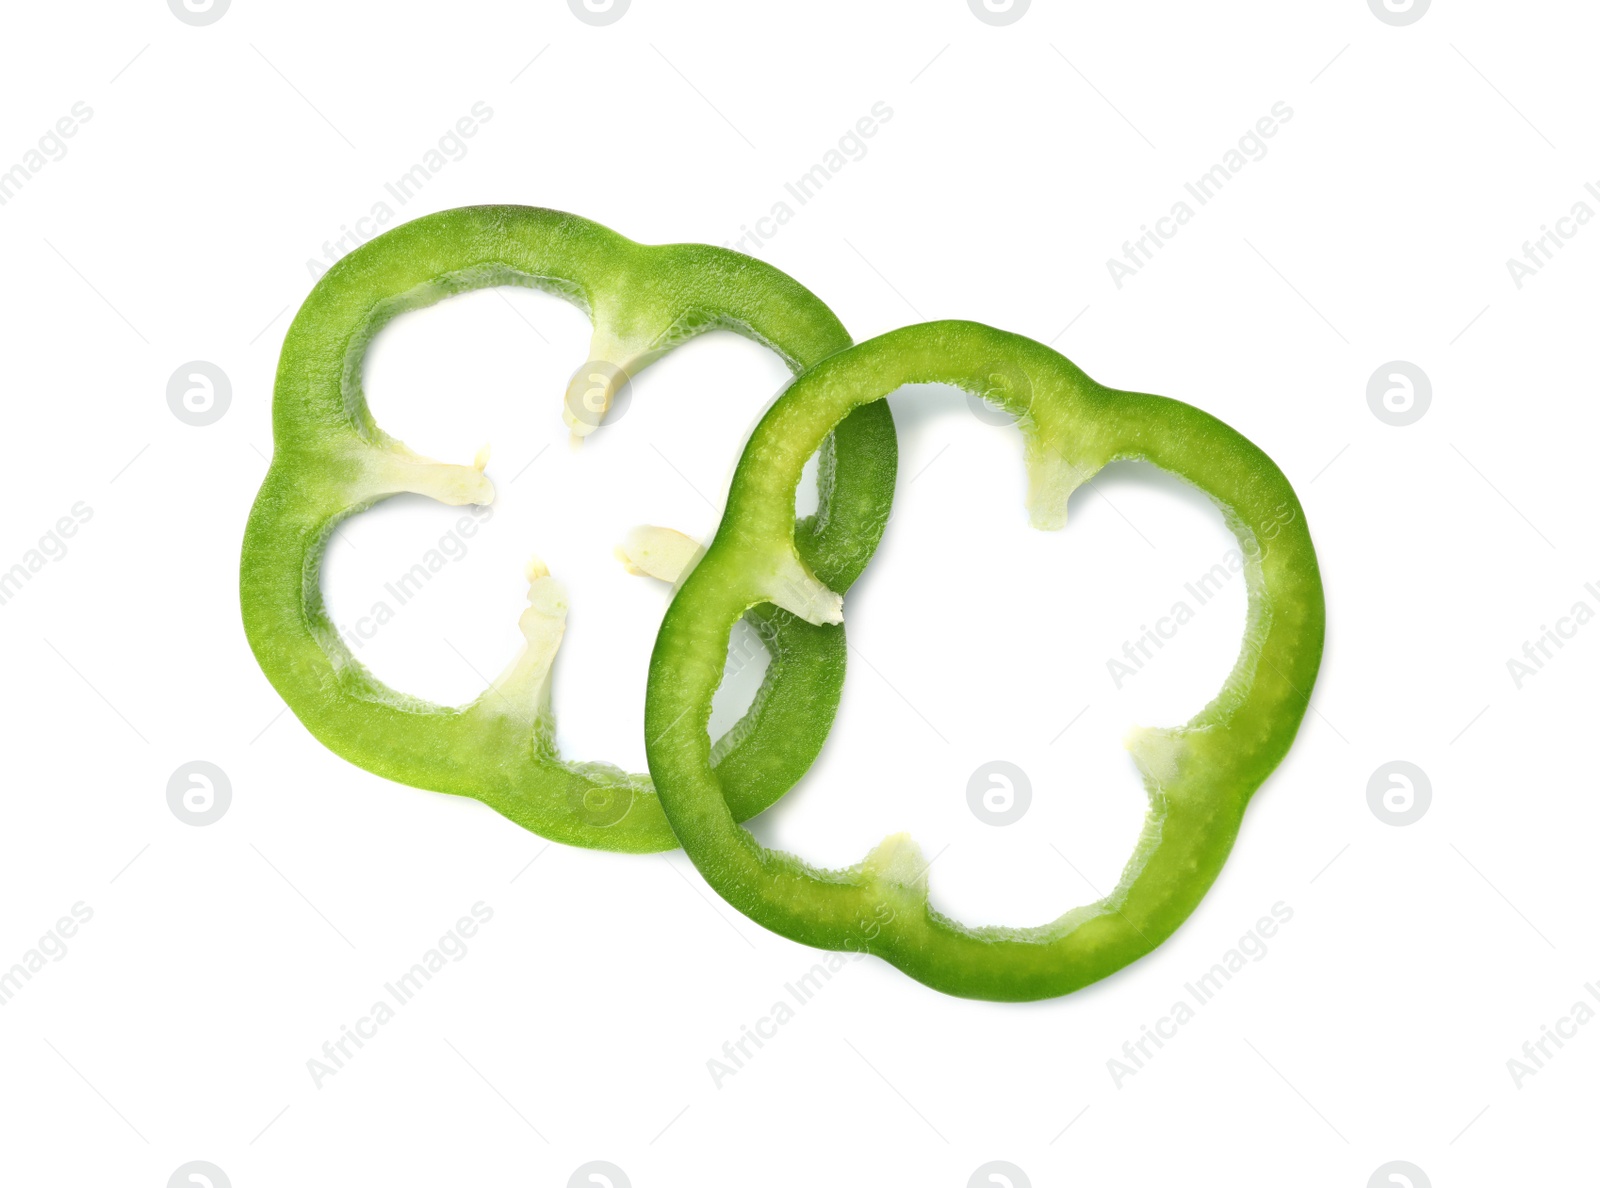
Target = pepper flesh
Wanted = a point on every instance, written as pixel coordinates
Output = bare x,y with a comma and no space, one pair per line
332,461
1199,777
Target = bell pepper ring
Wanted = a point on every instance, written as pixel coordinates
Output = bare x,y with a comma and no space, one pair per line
331,461
1198,777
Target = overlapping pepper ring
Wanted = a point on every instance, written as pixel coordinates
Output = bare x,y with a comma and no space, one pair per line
1199,776
332,461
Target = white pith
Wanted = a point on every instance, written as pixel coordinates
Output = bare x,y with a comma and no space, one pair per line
661,553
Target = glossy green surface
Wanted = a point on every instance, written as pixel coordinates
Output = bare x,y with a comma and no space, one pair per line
1199,776
331,461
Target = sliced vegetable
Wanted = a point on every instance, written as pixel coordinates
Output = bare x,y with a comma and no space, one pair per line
331,461
1199,776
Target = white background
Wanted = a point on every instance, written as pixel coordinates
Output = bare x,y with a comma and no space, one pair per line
1419,959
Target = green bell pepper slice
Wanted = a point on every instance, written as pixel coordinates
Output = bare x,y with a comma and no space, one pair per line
331,461
1199,776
